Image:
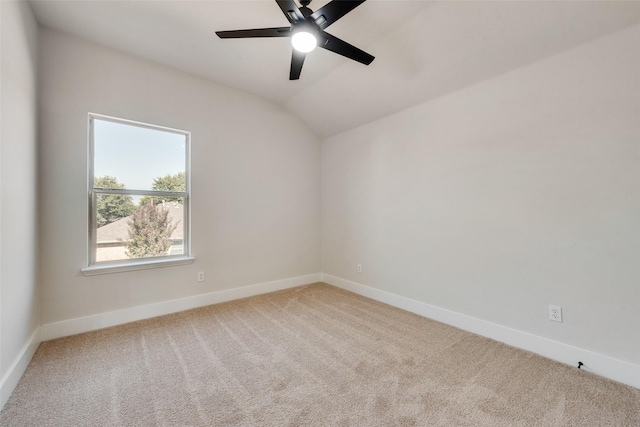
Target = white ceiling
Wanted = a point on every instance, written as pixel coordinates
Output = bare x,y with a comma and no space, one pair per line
423,49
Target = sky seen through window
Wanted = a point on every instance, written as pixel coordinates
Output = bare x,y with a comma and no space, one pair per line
136,155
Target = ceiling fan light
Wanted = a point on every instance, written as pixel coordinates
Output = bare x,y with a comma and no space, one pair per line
304,41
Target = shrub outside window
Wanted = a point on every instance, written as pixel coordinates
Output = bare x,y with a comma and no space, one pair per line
138,195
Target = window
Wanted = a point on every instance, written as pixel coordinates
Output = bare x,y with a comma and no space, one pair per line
138,195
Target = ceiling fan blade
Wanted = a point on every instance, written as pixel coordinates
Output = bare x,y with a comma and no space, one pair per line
256,32
343,48
290,10
332,11
297,59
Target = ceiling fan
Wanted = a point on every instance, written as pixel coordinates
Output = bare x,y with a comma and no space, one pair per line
307,31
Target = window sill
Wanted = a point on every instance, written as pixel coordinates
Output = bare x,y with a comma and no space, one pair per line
95,270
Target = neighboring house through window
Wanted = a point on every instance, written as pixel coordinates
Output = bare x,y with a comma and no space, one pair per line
138,195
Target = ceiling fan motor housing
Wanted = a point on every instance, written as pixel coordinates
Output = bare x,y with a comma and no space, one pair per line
308,27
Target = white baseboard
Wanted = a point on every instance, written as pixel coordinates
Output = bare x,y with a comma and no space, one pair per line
10,380
118,317
617,370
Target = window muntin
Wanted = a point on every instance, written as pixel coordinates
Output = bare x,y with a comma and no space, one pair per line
138,192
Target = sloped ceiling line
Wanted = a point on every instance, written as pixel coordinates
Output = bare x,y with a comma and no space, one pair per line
423,49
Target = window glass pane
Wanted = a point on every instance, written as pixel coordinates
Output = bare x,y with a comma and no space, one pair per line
136,163
138,158
150,228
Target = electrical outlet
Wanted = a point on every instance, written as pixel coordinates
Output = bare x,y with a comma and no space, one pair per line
555,313
200,276
359,268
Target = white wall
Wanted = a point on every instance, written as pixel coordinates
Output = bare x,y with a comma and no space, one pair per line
19,299
502,198
255,180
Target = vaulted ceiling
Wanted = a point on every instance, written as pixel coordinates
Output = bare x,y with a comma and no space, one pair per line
423,49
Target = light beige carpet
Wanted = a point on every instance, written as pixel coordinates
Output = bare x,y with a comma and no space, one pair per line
313,355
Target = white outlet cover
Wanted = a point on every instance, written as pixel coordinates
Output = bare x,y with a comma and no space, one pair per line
555,313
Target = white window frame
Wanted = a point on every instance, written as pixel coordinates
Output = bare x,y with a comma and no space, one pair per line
103,267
